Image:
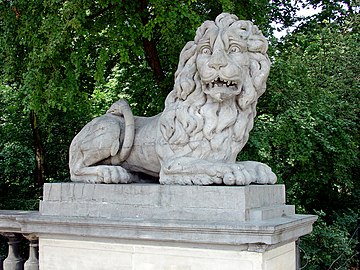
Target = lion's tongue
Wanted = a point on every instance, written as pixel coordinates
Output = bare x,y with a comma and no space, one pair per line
219,84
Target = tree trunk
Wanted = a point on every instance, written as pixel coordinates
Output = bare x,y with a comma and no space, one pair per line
39,174
151,52
152,57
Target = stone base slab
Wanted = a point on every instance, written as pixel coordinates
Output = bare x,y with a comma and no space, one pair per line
154,201
68,254
251,217
155,227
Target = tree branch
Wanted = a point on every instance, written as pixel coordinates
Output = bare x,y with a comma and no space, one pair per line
151,52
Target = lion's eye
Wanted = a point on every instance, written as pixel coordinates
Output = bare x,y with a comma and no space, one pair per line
206,50
234,49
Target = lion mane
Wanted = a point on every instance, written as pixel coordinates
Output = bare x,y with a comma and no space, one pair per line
192,118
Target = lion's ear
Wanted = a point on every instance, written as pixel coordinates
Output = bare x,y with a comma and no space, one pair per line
256,42
259,71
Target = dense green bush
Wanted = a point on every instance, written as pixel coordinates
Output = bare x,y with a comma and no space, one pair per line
331,246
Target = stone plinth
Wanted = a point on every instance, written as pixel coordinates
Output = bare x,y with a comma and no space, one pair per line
166,227
166,202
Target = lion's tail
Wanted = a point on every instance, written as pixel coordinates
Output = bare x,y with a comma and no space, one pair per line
122,108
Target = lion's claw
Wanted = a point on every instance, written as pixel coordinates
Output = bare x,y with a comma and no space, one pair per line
198,179
229,179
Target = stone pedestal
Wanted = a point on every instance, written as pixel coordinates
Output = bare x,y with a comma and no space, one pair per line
156,227
166,202
70,254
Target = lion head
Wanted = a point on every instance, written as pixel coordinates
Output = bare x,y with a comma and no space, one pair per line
220,76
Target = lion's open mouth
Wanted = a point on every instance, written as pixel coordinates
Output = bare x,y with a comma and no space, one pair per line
221,83
221,89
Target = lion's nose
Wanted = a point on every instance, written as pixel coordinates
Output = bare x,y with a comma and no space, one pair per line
218,60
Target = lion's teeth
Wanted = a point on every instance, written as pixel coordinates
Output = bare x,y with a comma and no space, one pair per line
221,83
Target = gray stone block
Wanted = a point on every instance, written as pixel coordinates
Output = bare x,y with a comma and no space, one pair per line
165,202
270,212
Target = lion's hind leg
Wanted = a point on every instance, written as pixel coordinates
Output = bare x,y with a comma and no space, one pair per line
92,150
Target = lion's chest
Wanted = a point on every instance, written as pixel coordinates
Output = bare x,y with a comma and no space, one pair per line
218,147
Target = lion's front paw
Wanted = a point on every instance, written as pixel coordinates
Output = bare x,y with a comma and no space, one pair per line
259,173
244,173
111,174
236,174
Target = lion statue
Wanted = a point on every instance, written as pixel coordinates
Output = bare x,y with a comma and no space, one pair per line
205,124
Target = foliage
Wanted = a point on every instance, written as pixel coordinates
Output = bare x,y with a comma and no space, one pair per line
308,126
16,154
307,130
330,246
67,61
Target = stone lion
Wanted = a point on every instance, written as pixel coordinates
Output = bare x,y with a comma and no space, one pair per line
205,124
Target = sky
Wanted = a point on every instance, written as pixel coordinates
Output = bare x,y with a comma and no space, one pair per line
302,13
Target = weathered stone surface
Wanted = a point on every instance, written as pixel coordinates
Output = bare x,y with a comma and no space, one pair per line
252,221
92,254
246,227
9,219
205,124
242,216
174,202
250,235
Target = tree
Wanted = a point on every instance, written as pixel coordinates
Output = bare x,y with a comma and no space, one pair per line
57,54
307,129
16,155
65,62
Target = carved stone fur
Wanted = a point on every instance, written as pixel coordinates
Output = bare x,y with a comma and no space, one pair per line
205,124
